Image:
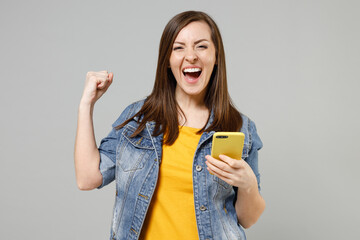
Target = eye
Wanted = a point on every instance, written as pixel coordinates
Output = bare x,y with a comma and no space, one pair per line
177,48
203,46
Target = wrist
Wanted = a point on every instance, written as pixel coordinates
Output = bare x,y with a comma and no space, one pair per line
84,103
85,106
253,189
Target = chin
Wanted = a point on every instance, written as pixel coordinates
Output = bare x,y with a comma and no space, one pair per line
194,93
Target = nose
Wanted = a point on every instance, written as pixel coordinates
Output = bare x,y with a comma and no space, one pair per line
191,55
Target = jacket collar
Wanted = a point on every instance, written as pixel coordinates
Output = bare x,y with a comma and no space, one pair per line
204,137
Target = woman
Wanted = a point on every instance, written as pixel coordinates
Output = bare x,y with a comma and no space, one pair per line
167,184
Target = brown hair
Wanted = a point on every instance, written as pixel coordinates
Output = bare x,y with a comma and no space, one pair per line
161,106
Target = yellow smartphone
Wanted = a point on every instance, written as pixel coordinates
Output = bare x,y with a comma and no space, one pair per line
230,144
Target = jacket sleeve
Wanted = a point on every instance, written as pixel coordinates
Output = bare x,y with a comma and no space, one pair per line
256,145
107,149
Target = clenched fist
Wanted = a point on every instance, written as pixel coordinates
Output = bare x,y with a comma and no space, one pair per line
95,86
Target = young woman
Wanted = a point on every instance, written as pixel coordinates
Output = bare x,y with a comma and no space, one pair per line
158,152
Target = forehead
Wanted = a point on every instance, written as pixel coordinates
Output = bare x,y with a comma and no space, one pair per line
194,31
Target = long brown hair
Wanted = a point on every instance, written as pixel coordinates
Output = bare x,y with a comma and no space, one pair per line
161,106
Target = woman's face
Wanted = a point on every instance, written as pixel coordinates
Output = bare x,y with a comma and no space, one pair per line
192,59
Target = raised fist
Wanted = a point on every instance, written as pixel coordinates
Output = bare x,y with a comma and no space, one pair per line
96,85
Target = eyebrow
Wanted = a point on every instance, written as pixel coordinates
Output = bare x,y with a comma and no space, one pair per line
200,40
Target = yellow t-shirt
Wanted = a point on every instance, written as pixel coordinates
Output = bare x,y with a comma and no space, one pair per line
171,214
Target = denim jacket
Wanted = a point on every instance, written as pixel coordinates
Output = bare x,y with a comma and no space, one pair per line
134,164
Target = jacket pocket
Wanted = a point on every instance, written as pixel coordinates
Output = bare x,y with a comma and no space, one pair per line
132,152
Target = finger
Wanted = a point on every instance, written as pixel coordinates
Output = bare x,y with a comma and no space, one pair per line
108,83
233,163
218,170
218,163
93,79
105,83
111,76
98,74
101,86
101,75
219,175
94,73
91,72
101,82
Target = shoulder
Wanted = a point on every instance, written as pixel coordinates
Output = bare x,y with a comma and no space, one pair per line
252,138
128,112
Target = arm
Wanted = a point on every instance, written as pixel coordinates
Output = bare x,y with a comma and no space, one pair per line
245,177
249,204
86,154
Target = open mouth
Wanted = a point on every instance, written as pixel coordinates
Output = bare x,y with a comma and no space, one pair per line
192,73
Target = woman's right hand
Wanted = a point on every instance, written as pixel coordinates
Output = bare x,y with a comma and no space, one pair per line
95,86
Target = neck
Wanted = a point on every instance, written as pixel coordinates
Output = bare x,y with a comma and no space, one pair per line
194,110
188,102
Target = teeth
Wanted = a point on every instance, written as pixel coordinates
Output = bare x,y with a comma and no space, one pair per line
186,70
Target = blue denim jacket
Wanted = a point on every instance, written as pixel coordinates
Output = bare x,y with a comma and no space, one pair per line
134,164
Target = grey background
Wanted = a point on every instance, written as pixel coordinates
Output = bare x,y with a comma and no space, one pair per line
293,67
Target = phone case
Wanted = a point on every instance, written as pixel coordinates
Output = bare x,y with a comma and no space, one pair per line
228,143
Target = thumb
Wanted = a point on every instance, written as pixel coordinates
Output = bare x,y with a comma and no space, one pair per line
111,76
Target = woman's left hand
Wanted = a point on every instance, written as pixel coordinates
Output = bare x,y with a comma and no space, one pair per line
235,172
